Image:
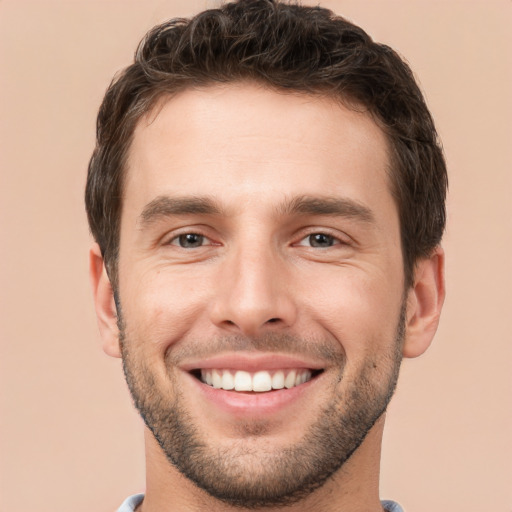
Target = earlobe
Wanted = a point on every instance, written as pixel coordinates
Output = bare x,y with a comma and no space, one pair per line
424,303
106,311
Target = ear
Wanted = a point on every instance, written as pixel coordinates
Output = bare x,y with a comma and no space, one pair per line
106,311
424,303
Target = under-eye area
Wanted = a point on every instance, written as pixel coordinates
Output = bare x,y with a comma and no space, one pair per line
259,381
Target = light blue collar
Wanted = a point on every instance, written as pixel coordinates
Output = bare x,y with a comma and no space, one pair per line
131,503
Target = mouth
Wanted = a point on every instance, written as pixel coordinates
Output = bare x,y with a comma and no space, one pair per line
261,381
254,385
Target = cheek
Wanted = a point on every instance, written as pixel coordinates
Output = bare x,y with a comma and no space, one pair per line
361,311
162,308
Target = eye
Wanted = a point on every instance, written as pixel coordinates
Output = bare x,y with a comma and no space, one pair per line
322,240
190,240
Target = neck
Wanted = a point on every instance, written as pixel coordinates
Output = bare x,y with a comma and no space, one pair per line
354,487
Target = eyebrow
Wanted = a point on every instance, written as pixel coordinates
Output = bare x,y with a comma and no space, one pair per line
167,206
333,206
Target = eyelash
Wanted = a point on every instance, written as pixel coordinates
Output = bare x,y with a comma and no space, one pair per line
331,238
182,236
180,239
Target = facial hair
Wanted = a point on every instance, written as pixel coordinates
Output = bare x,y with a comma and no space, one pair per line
239,474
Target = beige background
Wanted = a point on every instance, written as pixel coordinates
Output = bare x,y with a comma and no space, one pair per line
69,439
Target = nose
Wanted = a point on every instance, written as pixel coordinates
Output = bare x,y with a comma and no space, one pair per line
253,294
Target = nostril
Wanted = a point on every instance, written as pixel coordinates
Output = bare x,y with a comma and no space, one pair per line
273,320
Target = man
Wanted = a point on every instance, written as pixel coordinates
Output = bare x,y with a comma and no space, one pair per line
267,197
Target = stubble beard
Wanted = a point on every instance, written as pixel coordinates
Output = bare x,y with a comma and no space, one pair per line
247,477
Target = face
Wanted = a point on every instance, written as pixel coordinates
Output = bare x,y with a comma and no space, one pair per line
260,287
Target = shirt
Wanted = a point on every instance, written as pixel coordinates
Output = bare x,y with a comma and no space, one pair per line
131,503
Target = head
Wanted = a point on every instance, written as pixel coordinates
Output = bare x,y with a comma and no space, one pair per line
267,194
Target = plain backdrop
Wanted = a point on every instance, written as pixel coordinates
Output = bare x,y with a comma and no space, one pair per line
69,438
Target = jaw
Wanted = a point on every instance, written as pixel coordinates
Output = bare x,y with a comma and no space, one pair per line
354,488
211,438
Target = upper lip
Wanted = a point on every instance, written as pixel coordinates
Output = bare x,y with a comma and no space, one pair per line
252,362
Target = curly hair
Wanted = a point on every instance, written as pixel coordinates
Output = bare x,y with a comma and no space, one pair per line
286,47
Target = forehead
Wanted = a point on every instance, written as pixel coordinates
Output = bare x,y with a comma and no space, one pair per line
247,142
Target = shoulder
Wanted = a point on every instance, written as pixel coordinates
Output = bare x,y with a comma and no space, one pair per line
391,506
129,504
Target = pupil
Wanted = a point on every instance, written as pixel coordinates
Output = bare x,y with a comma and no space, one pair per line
321,240
191,240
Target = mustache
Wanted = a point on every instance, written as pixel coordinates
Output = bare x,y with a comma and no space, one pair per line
315,348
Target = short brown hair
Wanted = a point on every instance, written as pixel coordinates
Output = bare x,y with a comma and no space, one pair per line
288,47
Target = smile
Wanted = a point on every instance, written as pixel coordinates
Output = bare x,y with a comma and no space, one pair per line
259,382
253,385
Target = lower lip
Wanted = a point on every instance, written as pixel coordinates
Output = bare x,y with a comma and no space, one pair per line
247,404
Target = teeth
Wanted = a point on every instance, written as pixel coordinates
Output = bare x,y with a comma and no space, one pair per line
228,382
216,379
278,380
262,381
243,381
258,382
290,379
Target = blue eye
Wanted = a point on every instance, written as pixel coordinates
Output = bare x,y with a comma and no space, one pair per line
189,240
321,240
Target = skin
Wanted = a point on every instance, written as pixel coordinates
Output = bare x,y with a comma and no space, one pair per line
253,152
